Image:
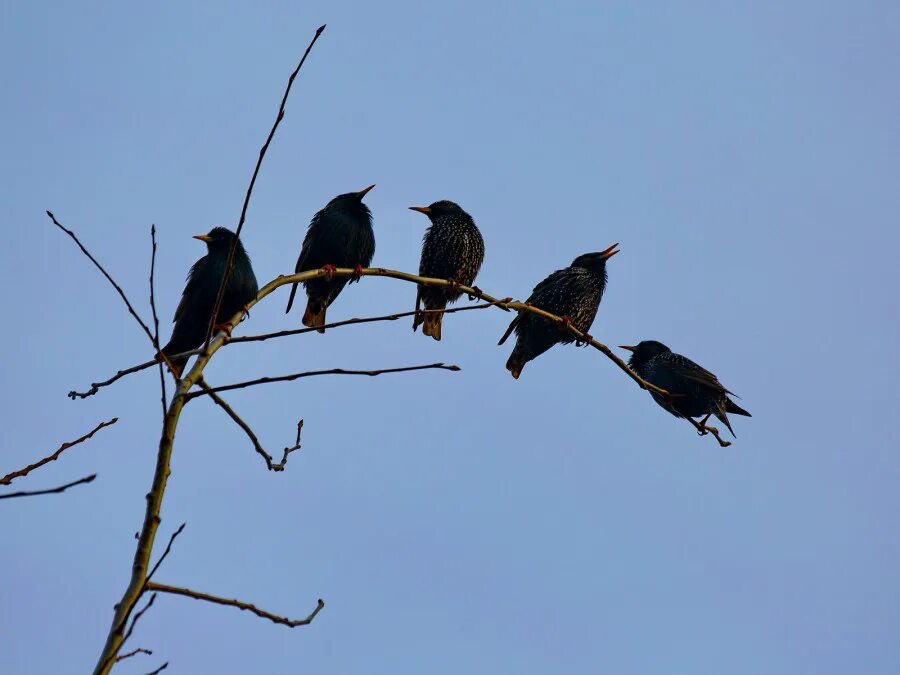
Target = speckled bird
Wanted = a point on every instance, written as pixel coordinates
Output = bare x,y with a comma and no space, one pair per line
453,249
695,391
340,235
199,298
573,294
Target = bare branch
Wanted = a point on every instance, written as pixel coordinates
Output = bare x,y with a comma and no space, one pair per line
160,669
162,374
352,322
262,153
134,652
96,386
8,478
113,658
274,618
288,451
166,552
106,274
219,401
51,491
314,373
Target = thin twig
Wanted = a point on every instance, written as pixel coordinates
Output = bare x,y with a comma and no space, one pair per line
166,552
351,322
51,491
162,374
288,451
262,153
274,618
106,274
219,401
314,373
137,616
10,477
134,652
160,669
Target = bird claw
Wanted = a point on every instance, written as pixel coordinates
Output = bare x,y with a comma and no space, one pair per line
329,271
476,295
565,322
224,327
357,274
452,284
584,341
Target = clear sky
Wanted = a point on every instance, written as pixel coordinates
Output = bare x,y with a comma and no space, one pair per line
745,155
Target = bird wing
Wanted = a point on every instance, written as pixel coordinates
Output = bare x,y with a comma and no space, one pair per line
684,367
191,289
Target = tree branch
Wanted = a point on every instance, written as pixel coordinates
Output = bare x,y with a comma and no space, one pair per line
274,618
162,374
267,458
134,652
160,669
118,288
166,552
10,477
262,153
314,373
51,491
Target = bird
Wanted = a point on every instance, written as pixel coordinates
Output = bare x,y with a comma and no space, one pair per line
695,391
572,293
192,316
340,235
452,249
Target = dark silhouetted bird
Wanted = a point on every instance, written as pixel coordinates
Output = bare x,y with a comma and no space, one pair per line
451,249
695,391
199,298
340,235
573,294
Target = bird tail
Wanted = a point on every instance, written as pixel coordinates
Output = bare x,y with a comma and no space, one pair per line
724,419
431,324
314,316
291,299
516,362
732,407
512,326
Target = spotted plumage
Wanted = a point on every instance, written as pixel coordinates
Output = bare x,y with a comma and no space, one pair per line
452,248
340,235
193,313
573,293
695,392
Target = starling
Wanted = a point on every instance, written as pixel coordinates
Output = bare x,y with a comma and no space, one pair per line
573,294
695,391
340,235
451,249
199,298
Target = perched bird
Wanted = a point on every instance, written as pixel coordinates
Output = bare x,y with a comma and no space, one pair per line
695,391
340,235
451,249
199,298
573,294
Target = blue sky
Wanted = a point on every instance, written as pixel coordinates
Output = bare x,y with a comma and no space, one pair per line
744,154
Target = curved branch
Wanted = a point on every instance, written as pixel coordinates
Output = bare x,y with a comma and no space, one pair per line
274,618
50,491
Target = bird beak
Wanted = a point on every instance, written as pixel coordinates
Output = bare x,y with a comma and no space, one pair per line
420,209
362,193
203,237
608,253
628,347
